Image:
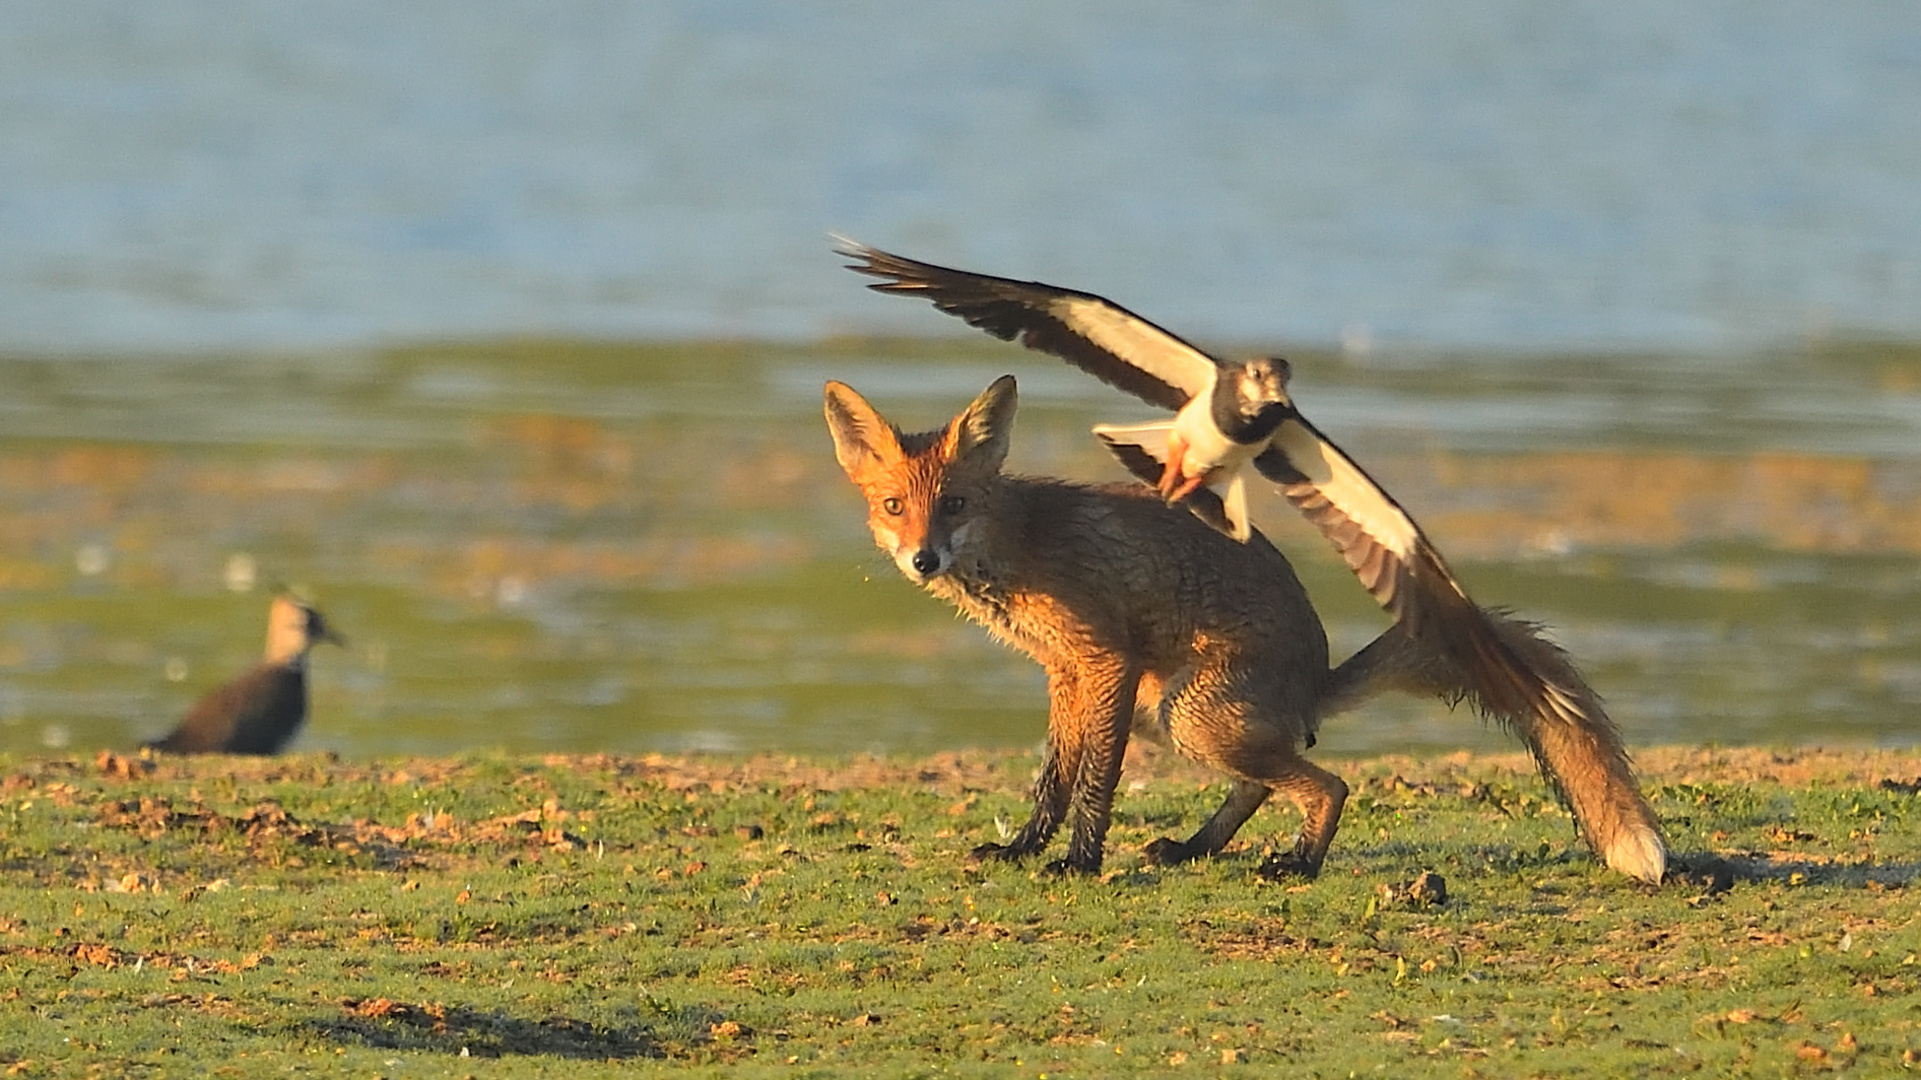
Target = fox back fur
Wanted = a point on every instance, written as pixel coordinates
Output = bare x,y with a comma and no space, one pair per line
1146,619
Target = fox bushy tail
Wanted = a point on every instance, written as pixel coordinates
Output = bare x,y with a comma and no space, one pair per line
1563,725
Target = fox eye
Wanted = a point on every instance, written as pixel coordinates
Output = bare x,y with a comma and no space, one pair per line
892,506
952,504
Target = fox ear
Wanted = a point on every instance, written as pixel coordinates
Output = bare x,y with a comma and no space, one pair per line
862,437
983,432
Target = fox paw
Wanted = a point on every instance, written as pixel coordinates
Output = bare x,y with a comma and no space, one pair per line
1708,873
1069,867
999,852
1169,852
1288,864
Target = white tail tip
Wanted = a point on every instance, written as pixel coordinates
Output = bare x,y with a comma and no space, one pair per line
1639,853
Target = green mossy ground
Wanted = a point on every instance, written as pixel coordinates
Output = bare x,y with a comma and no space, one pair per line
595,916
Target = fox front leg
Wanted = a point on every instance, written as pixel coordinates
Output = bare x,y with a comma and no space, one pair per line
1106,709
1050,805
1090,707
1060,764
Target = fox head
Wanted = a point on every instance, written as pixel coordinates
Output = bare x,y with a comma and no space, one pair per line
928,494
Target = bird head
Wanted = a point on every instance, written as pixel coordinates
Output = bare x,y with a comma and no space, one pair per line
319,631
293,627
1258,398
1262,382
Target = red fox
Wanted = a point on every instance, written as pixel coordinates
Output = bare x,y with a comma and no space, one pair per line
1147,619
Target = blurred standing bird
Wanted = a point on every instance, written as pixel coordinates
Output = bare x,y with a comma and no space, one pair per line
259,712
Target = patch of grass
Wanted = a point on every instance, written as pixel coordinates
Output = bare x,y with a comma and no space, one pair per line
812,918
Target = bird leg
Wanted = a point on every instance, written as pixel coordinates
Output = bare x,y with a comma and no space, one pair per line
1186,487
1173,476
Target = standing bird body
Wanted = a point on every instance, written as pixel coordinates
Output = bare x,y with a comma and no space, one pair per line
1228,414
259,712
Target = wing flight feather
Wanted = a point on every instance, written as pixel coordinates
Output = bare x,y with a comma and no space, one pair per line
1401,568
1096,335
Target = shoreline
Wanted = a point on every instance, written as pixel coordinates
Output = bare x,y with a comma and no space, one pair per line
975,768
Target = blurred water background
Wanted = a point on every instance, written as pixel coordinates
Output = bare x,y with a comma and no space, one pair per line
500,329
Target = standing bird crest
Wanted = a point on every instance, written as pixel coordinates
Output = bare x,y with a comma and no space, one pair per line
260,711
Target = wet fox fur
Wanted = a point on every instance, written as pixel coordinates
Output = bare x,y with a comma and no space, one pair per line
1147,620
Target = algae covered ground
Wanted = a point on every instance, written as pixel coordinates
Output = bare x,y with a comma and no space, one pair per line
500,916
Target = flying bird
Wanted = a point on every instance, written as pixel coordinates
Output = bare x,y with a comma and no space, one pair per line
1228,413
258,712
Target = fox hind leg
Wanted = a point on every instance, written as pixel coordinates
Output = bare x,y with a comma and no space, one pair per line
1221,717
1243,799
1320,795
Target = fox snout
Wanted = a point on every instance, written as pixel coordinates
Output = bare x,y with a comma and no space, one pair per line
921,558
927,562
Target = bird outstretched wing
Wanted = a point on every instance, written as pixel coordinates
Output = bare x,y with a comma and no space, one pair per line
1096,335
1401,568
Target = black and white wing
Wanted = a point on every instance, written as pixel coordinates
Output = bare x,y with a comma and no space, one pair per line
1401,568
1503,664
1098,336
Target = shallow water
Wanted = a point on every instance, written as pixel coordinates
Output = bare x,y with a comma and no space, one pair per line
563,546
216,215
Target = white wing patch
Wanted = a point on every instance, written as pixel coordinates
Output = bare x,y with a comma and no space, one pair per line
1348,488
1151,437
1229,484
1234,504
1139,343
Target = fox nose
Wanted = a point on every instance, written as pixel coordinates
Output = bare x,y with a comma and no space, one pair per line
926,561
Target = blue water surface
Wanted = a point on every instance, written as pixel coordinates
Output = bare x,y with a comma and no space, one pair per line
181,175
